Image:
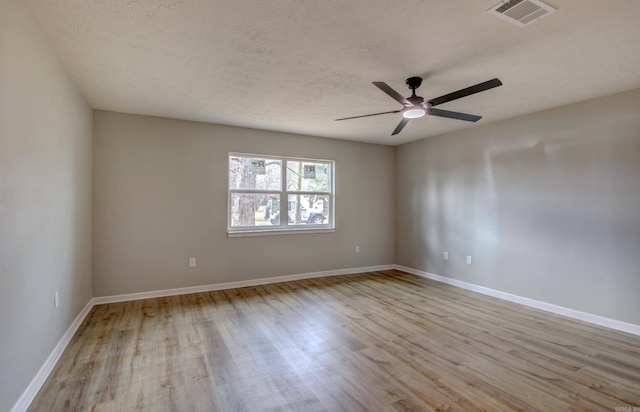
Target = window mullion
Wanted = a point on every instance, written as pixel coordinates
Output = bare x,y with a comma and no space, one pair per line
275,192
308,192
284,199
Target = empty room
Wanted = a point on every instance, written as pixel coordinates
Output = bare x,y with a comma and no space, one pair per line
319,206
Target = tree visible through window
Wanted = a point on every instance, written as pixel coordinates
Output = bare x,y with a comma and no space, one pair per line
271,193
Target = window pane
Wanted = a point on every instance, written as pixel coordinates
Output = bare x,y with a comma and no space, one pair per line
255,173
308,209
254,209
308,176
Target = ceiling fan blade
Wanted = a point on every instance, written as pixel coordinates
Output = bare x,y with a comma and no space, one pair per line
367,115
400,126
394,94
454,115
480,87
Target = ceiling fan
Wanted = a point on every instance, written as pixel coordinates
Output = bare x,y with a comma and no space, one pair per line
415,106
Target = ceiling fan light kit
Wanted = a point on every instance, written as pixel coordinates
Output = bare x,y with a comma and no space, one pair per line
415,107
413,113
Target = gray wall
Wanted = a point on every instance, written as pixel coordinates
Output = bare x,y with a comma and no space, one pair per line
45,201
547,204
160,197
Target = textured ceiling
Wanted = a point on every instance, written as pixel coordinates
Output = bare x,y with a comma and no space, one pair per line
295,66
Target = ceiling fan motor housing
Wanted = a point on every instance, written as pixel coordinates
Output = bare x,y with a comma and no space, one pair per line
415,100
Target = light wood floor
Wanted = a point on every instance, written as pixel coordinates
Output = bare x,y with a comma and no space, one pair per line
379,341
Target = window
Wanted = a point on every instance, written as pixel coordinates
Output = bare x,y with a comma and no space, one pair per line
268,194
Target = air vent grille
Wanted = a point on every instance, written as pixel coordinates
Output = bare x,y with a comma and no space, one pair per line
521,12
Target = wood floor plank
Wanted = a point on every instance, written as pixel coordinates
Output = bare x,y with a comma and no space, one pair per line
381,341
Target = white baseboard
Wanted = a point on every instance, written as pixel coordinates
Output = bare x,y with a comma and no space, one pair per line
36,383
548,307
231,285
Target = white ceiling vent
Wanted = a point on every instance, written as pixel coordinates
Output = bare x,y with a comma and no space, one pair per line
521,12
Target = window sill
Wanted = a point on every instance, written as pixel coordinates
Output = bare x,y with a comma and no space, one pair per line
276,232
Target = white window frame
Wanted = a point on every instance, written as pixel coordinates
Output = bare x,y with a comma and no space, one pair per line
284,227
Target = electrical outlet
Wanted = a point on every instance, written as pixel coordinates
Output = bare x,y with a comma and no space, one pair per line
357,249
445,255
192,262
468,260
